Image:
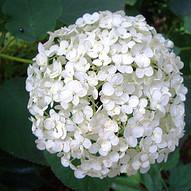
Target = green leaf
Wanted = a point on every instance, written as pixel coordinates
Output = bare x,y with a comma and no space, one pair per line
31,19
148,182
16,135
9,163
131,2
132,181
3,19
132,10
73,9
153,180
187,23
180,7
172,161
183,42
66,175
118,187
176,50
180,178
187,82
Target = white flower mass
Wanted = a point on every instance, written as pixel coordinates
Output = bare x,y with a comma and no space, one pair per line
107,95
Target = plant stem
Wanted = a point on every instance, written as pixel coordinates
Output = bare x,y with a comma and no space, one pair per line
93,104
2,38
99,85
16,59
171,28
185,48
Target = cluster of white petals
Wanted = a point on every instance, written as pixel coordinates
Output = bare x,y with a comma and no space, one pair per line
107,95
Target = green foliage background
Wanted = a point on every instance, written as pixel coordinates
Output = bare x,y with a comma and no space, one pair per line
23,23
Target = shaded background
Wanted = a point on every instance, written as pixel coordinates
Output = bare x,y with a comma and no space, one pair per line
23,23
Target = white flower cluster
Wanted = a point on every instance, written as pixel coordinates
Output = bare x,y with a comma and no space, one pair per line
106,95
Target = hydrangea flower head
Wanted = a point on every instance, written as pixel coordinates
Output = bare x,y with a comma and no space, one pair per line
107,95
